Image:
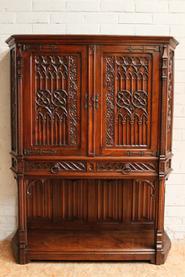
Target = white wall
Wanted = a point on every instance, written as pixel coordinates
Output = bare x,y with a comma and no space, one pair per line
141,17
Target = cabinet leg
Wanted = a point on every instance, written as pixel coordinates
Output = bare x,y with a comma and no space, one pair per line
152,261
163,247
20,239
22,257
19,249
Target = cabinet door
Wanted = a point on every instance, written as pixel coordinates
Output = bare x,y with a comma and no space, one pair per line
53,92
127,122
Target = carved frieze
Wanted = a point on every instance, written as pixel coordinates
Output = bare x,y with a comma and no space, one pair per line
92,166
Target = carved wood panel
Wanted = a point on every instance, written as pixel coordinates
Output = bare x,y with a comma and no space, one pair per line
143,201
56,100
127,167
39,200
54,117
110,168
128,100
101,201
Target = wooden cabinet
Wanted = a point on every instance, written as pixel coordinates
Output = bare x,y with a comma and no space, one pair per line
91,120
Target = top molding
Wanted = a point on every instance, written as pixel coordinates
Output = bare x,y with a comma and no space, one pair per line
91,39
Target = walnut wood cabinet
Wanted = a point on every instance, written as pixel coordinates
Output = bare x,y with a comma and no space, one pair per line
91,120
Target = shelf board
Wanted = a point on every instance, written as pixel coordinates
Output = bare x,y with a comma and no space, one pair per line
90,245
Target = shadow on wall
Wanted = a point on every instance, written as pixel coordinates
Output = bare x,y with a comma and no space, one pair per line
7,182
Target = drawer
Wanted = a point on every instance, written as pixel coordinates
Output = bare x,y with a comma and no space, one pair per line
91,167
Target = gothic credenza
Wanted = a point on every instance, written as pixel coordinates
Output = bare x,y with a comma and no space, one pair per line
91,121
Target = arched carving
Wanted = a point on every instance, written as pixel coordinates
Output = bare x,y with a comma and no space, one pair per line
127,100
56,112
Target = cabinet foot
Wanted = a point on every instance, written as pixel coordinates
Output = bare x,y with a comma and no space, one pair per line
162,255
19,253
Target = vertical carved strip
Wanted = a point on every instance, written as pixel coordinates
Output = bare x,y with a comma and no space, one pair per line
116,88
13,101
164,101
170,100
110,85
19,86
89,97
73,99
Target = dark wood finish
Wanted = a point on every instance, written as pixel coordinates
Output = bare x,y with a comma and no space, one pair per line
91,121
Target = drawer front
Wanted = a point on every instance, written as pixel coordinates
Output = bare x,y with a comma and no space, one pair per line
94,168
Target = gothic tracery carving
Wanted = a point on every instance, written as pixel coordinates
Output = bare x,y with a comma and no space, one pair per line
56,100
127,102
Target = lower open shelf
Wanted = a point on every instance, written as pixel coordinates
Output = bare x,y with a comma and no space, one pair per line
90,245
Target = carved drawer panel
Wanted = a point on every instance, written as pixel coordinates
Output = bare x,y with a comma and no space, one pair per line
126,167
94,168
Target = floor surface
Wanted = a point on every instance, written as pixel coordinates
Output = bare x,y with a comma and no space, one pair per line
174,266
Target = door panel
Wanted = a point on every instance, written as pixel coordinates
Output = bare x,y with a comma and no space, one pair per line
129,101
54,112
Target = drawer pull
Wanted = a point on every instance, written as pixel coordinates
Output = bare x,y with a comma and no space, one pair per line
55,169
126,169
